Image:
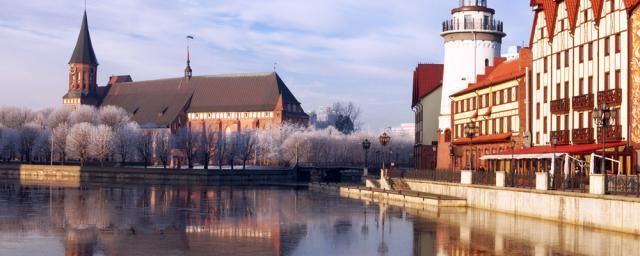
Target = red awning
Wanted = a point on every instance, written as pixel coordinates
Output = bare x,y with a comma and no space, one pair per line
494,138
568,149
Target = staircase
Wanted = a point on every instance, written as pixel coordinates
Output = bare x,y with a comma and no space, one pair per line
398,184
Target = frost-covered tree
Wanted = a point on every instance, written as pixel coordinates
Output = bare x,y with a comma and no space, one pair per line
163,147
101,143
59,140
58,116
79,141
114,117
125,140
144,147
84,114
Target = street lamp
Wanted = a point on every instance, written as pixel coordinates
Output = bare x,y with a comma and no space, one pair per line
471,131
602,117
513,149
384,140
366,145
554,142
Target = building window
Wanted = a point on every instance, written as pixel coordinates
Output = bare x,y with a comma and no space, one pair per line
618,79
606,45
590,86
566,59
538,111
585,15
544,122
612,5
557,91
590,53
607,77
546,64
486,62
581,53
581,87
557,60
558,128
509,124
537,137
617,43
566,89
566,122
538,81
545,94
580,120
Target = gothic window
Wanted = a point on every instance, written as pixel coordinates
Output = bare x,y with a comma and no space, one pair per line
447,135
486,62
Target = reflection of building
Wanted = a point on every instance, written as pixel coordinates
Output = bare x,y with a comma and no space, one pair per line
427,93
496,106
224,102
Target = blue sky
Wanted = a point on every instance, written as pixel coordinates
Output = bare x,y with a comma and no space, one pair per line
351,50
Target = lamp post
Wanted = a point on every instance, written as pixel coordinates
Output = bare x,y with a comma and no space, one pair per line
554,142
366,145
471,131
513,149
384,140
452,154
602,117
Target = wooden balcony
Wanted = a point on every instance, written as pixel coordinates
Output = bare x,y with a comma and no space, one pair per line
611,97
583,102
582,136
611,133
563,137
560,106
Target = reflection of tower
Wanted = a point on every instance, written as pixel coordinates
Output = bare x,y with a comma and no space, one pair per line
472,39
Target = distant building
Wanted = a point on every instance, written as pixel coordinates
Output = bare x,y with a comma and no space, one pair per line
513,52
406,130
427,94
221,102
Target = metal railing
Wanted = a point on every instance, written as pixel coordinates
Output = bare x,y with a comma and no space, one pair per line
484,178
573,182
432,175
475,24
624,185
520,180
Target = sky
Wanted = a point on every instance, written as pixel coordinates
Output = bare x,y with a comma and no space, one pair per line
362,51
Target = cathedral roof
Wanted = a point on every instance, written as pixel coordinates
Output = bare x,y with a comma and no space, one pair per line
83,53
158,103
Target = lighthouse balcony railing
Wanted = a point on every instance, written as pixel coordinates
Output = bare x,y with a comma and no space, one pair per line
480,24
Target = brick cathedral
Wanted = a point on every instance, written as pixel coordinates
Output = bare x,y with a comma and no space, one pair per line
228,103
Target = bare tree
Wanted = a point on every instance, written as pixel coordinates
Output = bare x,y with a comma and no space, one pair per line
208,145
347,116
246,146
163,147
101,143
27,136
8,143
79,141
114,117
42,148
144,147
187,141
125,141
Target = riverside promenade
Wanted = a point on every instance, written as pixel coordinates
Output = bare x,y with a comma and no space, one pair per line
74,175
603,211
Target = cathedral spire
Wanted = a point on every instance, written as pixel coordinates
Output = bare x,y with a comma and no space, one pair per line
83,52
188,72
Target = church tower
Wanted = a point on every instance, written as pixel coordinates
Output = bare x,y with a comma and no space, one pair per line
83,68
472,39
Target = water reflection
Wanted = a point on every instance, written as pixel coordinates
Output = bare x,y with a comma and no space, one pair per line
188,220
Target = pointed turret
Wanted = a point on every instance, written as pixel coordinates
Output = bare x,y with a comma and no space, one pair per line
83,53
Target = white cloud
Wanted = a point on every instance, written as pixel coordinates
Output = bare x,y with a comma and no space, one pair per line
358,50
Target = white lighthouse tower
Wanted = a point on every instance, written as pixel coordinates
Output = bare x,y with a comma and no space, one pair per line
472,39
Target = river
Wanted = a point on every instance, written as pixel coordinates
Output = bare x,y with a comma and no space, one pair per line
107,219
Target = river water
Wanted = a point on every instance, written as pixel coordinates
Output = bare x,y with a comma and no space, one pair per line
106,219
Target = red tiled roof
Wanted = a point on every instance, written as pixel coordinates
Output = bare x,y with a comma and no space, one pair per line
426,79
596,6
570,149
572,11
550,8
502,72
484,139
630,4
